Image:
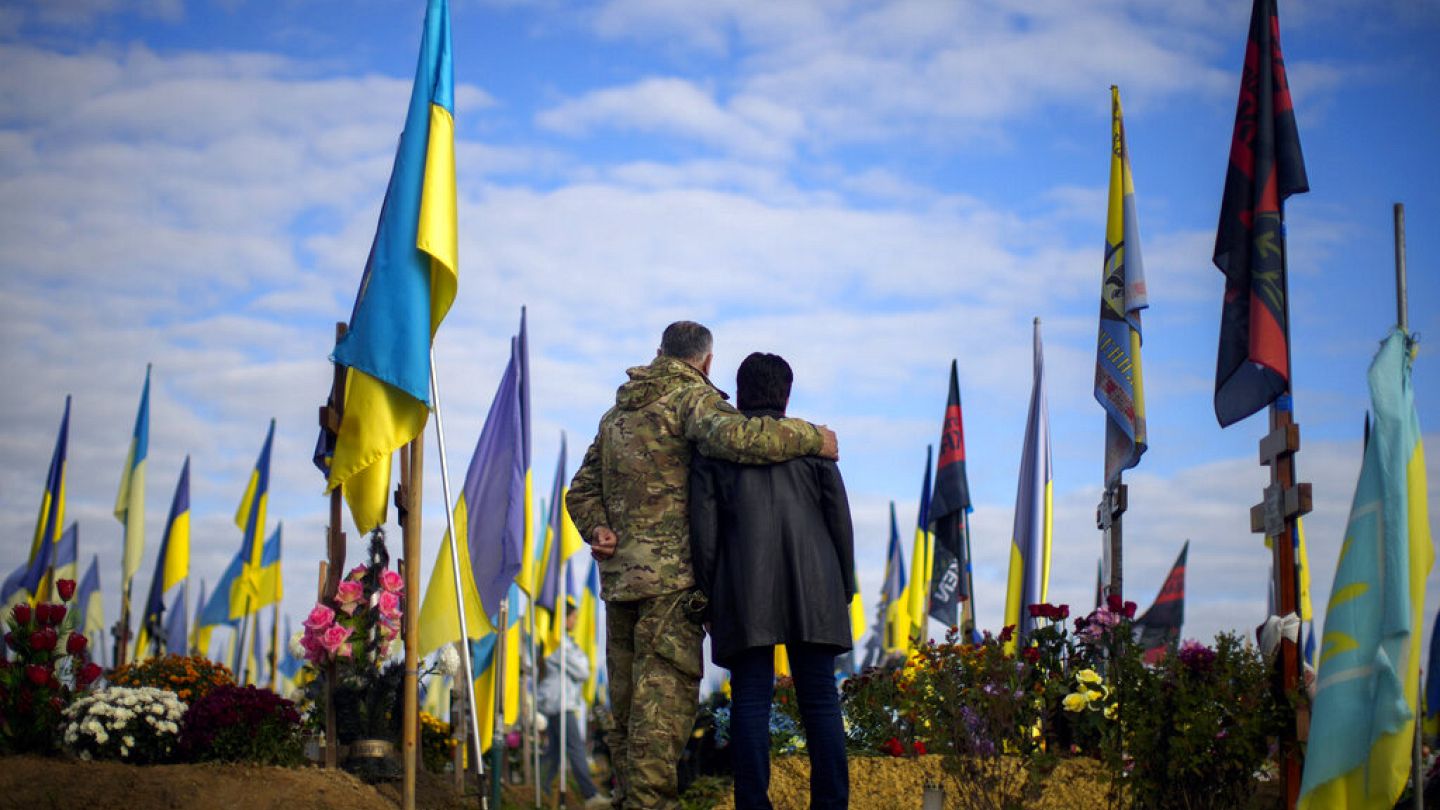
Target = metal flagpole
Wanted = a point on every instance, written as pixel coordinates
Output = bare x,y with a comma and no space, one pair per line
1402,319
564,675
469,691
534,699
497,740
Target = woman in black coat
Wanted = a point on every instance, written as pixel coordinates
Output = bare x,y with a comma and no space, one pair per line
773,549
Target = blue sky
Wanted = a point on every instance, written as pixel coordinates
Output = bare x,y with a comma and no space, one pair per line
869,188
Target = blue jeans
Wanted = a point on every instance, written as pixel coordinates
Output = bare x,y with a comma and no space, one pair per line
574,754
752,687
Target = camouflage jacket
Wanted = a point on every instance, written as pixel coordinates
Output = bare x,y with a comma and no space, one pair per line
635,476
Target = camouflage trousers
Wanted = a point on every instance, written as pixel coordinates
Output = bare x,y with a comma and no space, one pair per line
654,661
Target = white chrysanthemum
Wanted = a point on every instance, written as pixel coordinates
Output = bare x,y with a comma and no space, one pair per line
449,662
296,648
85,755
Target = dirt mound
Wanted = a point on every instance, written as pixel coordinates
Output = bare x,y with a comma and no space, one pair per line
44,783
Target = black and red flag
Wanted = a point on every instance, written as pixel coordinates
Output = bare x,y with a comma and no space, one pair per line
1159,629
950,584
1266,167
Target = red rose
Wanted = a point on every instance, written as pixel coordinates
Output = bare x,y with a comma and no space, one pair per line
1129,610
22,613
66,587
1007,634
88,674
919,748
1063,612
37,674
75,644
1036,611
1114,602
57,615
1031,654
893,747
43,640
42,614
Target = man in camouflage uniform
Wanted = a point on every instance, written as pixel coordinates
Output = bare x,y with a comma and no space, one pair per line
629,501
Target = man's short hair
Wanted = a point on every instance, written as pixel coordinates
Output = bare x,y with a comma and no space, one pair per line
686,340
763,383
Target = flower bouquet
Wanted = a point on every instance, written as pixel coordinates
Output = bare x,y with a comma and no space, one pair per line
50,666
133,724
348,640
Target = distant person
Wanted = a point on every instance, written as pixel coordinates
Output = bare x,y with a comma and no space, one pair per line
774,552
552,703
629,502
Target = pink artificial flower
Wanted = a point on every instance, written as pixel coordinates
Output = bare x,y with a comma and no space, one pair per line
346,650
334,637
320,617
392,582
357,572
389,605
349,596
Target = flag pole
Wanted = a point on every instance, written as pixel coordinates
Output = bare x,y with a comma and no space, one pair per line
408,500
1402,319
564,678
1109,516
334,543
534,695
472,714
497,740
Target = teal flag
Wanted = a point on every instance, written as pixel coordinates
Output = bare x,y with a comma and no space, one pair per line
1369,679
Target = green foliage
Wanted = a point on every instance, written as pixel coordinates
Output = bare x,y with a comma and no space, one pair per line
871,706
48,670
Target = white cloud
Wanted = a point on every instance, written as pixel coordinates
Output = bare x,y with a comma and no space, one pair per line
753,127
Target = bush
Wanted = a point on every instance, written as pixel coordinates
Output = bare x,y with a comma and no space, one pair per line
137,725
50,668
870,705
243,724
189,677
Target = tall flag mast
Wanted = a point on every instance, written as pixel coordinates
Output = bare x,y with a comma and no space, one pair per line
130,511
1119,385
951,590
1253,367
1029,578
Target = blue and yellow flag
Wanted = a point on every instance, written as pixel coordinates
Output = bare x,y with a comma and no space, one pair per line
484,661
893,594
1029,579
25,582
1119,386
177,641
130,501
562,540
67,555
587,630
200,635
526,577
269,583
921,560
495,492
90,604
217,610
172,565
245,593
1367,691
407,288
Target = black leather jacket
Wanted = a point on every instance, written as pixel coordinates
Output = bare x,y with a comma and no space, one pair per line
774,550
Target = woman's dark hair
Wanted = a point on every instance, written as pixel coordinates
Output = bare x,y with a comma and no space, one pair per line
763,383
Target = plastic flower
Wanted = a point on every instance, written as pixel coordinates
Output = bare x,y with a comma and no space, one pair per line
1074,702
392,582
349,595
334,637
389,604
320,617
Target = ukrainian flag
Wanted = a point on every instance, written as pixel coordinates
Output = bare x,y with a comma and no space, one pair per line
483,659
25,582
172,565
67,553
269,584
1029,580
1367,692
921,560
245,595
130,501
407,288
1119,386
897,608
562,540
216,610
90,605
176,639
587,629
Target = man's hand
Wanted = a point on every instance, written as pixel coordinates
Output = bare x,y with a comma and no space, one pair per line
603,542
829,445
